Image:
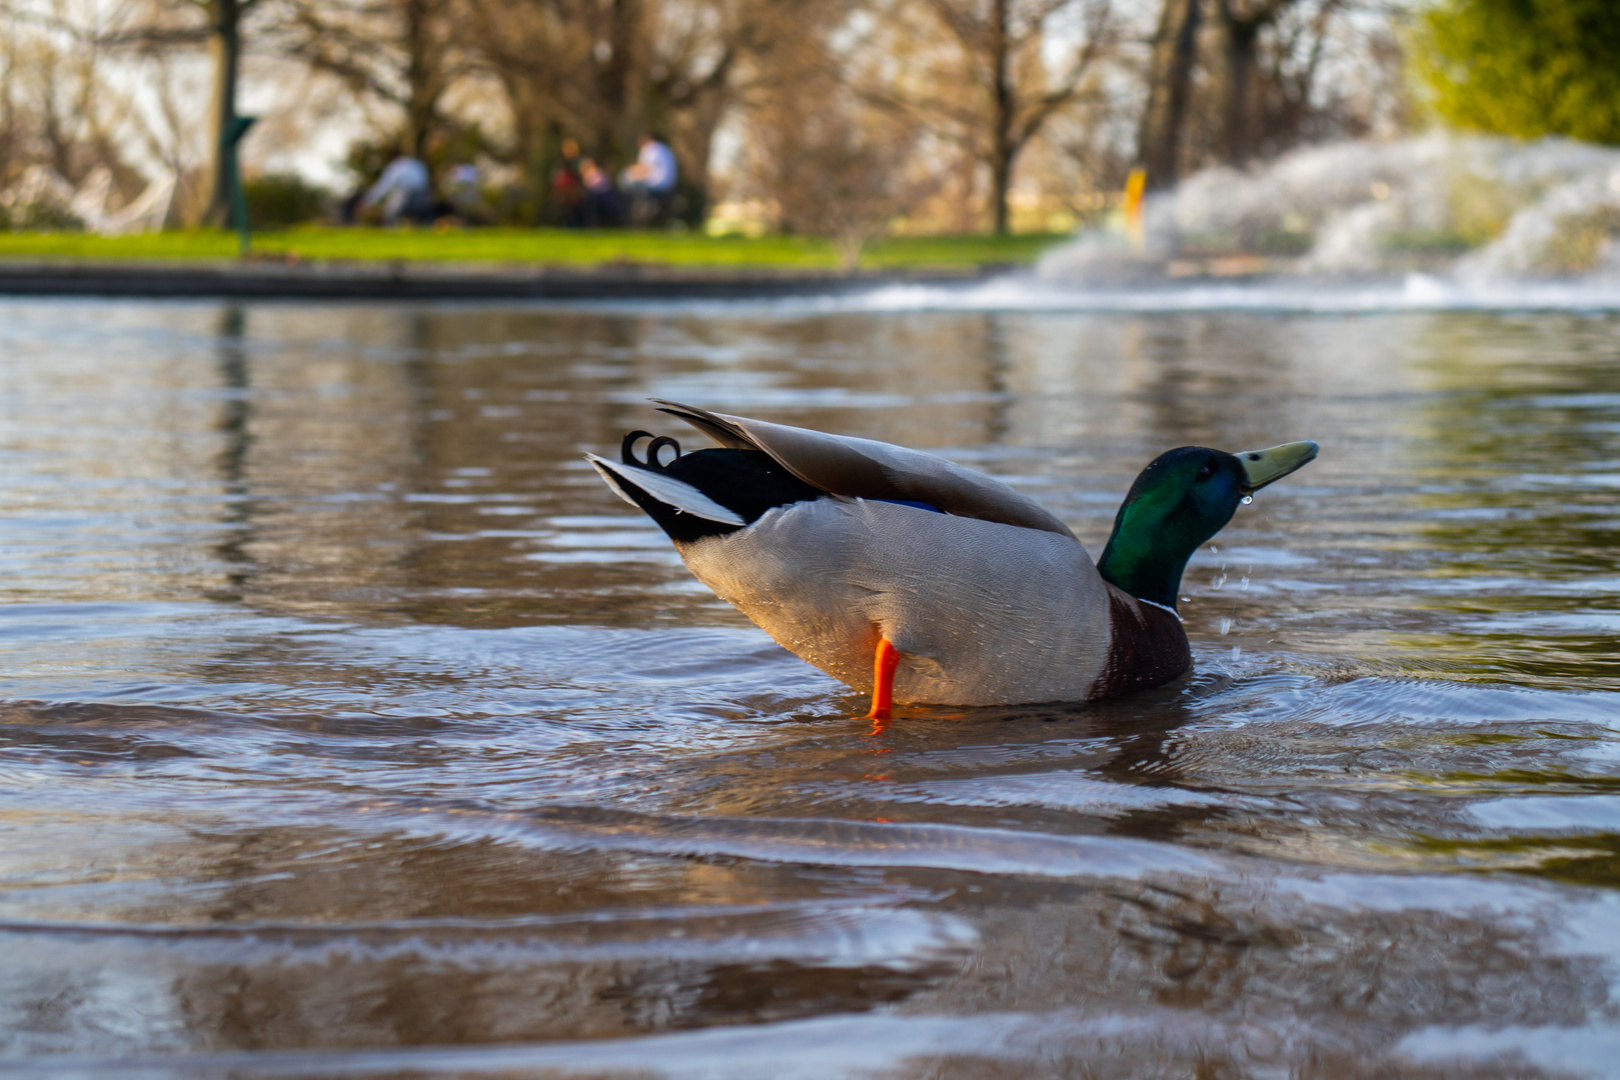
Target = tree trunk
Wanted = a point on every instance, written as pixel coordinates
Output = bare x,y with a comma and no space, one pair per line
1001,105
1175,46
421,77
615,73
225,49
8,127
1239,82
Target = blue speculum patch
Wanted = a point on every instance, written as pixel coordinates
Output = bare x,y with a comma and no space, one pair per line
908,502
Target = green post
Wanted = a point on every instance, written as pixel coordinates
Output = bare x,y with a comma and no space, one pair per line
232,137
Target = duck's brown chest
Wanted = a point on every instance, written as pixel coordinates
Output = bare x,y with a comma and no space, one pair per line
1146,647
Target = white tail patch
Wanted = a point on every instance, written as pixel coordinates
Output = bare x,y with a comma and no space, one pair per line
664,488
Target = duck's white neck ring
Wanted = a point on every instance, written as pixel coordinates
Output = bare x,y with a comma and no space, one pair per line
1161,607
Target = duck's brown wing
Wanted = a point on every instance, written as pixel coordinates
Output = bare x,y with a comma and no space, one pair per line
867,469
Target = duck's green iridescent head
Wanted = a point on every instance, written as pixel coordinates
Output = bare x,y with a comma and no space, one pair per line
1180,500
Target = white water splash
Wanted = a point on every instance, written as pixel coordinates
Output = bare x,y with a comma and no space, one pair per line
1470,210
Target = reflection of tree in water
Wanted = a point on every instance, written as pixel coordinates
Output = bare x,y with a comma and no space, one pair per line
236,410
998,387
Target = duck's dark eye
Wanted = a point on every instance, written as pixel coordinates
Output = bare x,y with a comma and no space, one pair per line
1204,472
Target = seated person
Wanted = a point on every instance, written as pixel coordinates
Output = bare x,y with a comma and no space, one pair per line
602,208
650,182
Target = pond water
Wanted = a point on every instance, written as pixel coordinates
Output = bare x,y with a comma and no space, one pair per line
350,726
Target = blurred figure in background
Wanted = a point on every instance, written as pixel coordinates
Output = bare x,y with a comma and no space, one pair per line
463,194
404,191
650,182
568,187
603,208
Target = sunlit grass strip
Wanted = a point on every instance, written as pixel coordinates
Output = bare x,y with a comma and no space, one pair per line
553,247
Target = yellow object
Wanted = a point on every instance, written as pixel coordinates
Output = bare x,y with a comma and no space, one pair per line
1135,188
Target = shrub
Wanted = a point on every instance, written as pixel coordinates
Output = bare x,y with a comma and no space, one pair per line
280,200
1524,67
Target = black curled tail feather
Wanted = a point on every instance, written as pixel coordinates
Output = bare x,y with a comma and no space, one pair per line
627,449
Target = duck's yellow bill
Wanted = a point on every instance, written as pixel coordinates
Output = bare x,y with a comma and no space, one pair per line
1274,463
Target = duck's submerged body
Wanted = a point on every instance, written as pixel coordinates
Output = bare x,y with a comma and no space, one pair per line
837,546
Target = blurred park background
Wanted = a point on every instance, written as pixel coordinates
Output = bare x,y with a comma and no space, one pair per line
936,131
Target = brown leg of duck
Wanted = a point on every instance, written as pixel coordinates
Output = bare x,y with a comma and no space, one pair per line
883,665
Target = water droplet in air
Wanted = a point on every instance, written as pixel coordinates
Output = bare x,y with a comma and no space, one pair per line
1247,499
1225,626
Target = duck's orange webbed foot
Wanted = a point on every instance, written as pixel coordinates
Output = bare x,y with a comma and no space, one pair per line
883,665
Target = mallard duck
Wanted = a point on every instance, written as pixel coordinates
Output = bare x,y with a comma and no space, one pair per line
906,575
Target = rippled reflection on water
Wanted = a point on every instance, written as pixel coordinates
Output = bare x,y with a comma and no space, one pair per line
351,725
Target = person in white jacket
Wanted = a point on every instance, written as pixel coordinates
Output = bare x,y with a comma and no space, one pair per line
650,182
404,190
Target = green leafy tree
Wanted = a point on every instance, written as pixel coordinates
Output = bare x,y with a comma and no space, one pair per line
1525,67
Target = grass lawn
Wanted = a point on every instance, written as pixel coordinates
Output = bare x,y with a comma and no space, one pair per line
559,247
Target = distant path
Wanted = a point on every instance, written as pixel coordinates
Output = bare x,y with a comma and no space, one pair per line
430,281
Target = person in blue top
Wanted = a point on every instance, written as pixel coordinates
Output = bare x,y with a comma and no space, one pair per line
650,182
